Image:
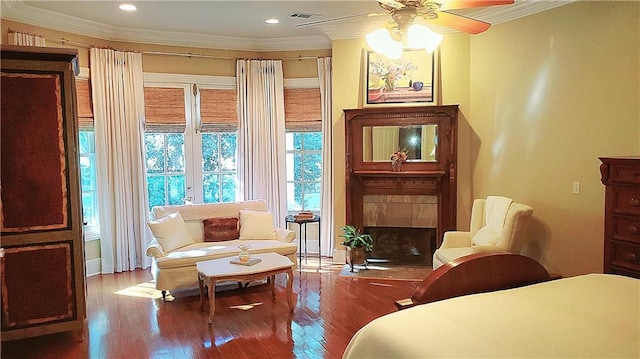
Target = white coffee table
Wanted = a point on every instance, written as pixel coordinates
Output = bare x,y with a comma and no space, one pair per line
219,270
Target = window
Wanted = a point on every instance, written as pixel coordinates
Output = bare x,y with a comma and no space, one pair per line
88,183
189,155
304,171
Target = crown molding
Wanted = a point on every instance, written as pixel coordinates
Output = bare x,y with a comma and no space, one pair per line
19,12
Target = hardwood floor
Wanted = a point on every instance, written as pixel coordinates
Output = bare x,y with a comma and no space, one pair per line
127,319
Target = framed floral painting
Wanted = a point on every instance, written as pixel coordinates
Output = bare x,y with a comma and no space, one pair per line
409,79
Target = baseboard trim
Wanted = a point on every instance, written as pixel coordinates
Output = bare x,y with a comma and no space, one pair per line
93,267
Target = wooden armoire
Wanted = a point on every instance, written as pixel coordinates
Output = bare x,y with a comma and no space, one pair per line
42,264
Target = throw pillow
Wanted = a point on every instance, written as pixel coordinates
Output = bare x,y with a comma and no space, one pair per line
485,237
220,229
171,232
257,225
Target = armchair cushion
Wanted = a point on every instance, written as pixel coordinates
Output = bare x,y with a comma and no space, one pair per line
220,229
485,237
171,232
257,225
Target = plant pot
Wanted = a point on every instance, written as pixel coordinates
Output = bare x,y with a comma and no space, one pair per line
357,256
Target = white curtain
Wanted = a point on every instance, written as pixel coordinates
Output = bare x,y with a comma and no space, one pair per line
118,108
22,39
326,207
261,134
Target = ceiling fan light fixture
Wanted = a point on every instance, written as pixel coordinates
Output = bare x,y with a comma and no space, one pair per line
381,41
421,37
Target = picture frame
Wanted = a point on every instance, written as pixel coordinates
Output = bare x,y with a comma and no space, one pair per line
409,80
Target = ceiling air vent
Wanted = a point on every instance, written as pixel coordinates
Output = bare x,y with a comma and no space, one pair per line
302,15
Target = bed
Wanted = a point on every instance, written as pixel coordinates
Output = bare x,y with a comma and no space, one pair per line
594,315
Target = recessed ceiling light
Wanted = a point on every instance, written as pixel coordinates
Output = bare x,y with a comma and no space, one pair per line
128,7
272,21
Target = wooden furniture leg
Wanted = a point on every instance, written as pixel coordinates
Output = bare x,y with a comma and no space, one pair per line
212,299
290,289
202,293
272,284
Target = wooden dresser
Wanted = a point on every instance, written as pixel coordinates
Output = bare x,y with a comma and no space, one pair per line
42,268
621,176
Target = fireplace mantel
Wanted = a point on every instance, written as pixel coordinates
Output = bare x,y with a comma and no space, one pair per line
432,176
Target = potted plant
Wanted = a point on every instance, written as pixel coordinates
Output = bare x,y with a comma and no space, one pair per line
357,244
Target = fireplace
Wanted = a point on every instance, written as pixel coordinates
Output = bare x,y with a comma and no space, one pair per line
403,245
405,211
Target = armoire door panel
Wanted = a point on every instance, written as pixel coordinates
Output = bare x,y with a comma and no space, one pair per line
33,153
37,285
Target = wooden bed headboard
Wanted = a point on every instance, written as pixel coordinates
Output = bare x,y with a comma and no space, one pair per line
476,273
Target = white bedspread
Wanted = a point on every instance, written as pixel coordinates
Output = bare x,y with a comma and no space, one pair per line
595,315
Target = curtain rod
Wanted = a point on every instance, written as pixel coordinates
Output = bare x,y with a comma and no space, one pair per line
64,41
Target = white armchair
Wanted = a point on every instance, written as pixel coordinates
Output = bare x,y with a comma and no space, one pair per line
497,225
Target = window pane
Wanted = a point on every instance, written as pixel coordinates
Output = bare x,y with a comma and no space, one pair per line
154,152
312,141
86,141
156,190
312,167
210,187
209,152
175,153
228,151
312,201
289,141
292,203
86,174
297,167
297,140
88,209
176,186
228,187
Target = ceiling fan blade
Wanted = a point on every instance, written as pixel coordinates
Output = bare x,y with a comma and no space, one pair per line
459,22
340,18
464,4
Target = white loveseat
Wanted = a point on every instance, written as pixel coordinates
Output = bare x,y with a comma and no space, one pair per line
179,238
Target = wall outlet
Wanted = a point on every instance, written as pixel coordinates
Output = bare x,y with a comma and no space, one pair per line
576,187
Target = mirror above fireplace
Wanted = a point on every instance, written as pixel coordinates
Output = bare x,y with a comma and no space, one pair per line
419,142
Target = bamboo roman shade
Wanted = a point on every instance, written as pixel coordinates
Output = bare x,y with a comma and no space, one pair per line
164,109
302,109
85,112
218,110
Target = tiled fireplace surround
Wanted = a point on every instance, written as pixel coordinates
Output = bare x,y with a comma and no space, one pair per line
403,227
400,211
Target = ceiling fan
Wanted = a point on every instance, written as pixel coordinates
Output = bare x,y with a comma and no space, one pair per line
404,12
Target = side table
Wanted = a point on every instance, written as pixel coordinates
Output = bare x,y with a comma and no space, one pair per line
302,222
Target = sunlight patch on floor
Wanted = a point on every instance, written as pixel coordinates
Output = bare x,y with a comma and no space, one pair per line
141,290
313,265
245,306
